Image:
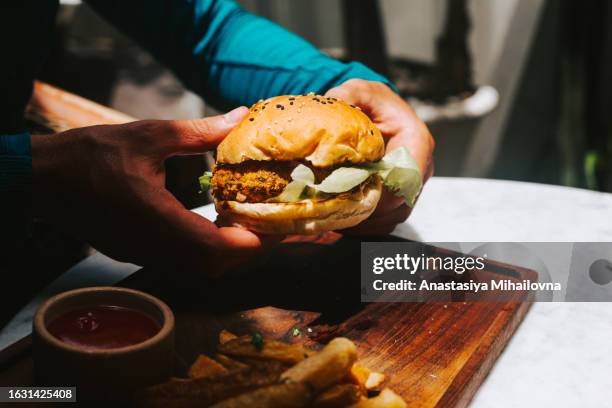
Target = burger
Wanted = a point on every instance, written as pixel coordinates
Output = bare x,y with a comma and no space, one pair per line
305,164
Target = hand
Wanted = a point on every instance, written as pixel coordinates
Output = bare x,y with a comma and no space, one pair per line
107,185
400,127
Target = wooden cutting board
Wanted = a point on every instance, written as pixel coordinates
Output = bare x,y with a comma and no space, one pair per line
434,354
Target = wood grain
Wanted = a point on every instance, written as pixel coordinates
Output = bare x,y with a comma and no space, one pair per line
435,354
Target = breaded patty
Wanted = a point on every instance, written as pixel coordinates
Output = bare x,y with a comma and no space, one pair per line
255,181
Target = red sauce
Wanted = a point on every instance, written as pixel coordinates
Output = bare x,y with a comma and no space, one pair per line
104,327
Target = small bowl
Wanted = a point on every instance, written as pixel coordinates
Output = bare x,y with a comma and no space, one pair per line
103,375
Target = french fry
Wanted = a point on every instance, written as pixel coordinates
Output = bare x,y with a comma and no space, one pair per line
386,399
225,336
205,366
273,396
359,375
230,363
326,367
365,378
338,396
273,350
202,392
270,367
374,380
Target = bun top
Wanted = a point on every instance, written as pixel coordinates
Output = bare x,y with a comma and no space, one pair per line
323,131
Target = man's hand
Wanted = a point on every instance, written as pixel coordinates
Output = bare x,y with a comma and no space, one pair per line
107,184
400,127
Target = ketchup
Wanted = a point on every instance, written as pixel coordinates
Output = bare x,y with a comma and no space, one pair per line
104,327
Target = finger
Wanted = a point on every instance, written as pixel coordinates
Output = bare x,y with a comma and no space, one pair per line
192,136
170,235
374,98
267,240
378,224
241,238
353,97
388,202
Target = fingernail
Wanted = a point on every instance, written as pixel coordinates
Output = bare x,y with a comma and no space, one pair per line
236,115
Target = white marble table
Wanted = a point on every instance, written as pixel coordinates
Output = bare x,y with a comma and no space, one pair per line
561,355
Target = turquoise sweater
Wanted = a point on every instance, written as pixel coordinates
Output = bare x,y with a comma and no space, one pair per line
224,53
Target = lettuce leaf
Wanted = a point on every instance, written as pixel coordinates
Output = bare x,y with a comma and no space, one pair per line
400,174
204,180
397,169
292,193
339,181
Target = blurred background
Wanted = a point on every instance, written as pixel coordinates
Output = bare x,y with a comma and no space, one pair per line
511,89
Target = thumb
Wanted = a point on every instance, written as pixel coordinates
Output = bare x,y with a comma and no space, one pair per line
200,135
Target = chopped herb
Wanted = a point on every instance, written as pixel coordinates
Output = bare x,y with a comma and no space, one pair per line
257,340
295,332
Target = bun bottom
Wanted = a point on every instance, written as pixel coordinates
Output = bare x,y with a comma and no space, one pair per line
303,217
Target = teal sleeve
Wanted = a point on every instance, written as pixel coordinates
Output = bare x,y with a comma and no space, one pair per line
15,164
15,185
227,54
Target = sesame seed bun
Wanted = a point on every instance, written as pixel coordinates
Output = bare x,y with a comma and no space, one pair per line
322,131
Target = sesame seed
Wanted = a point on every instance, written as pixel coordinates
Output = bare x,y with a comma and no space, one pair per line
289,119
290,103
353,106
251,119
371,132
292,99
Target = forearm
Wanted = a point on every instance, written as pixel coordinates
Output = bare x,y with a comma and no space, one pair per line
226,54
